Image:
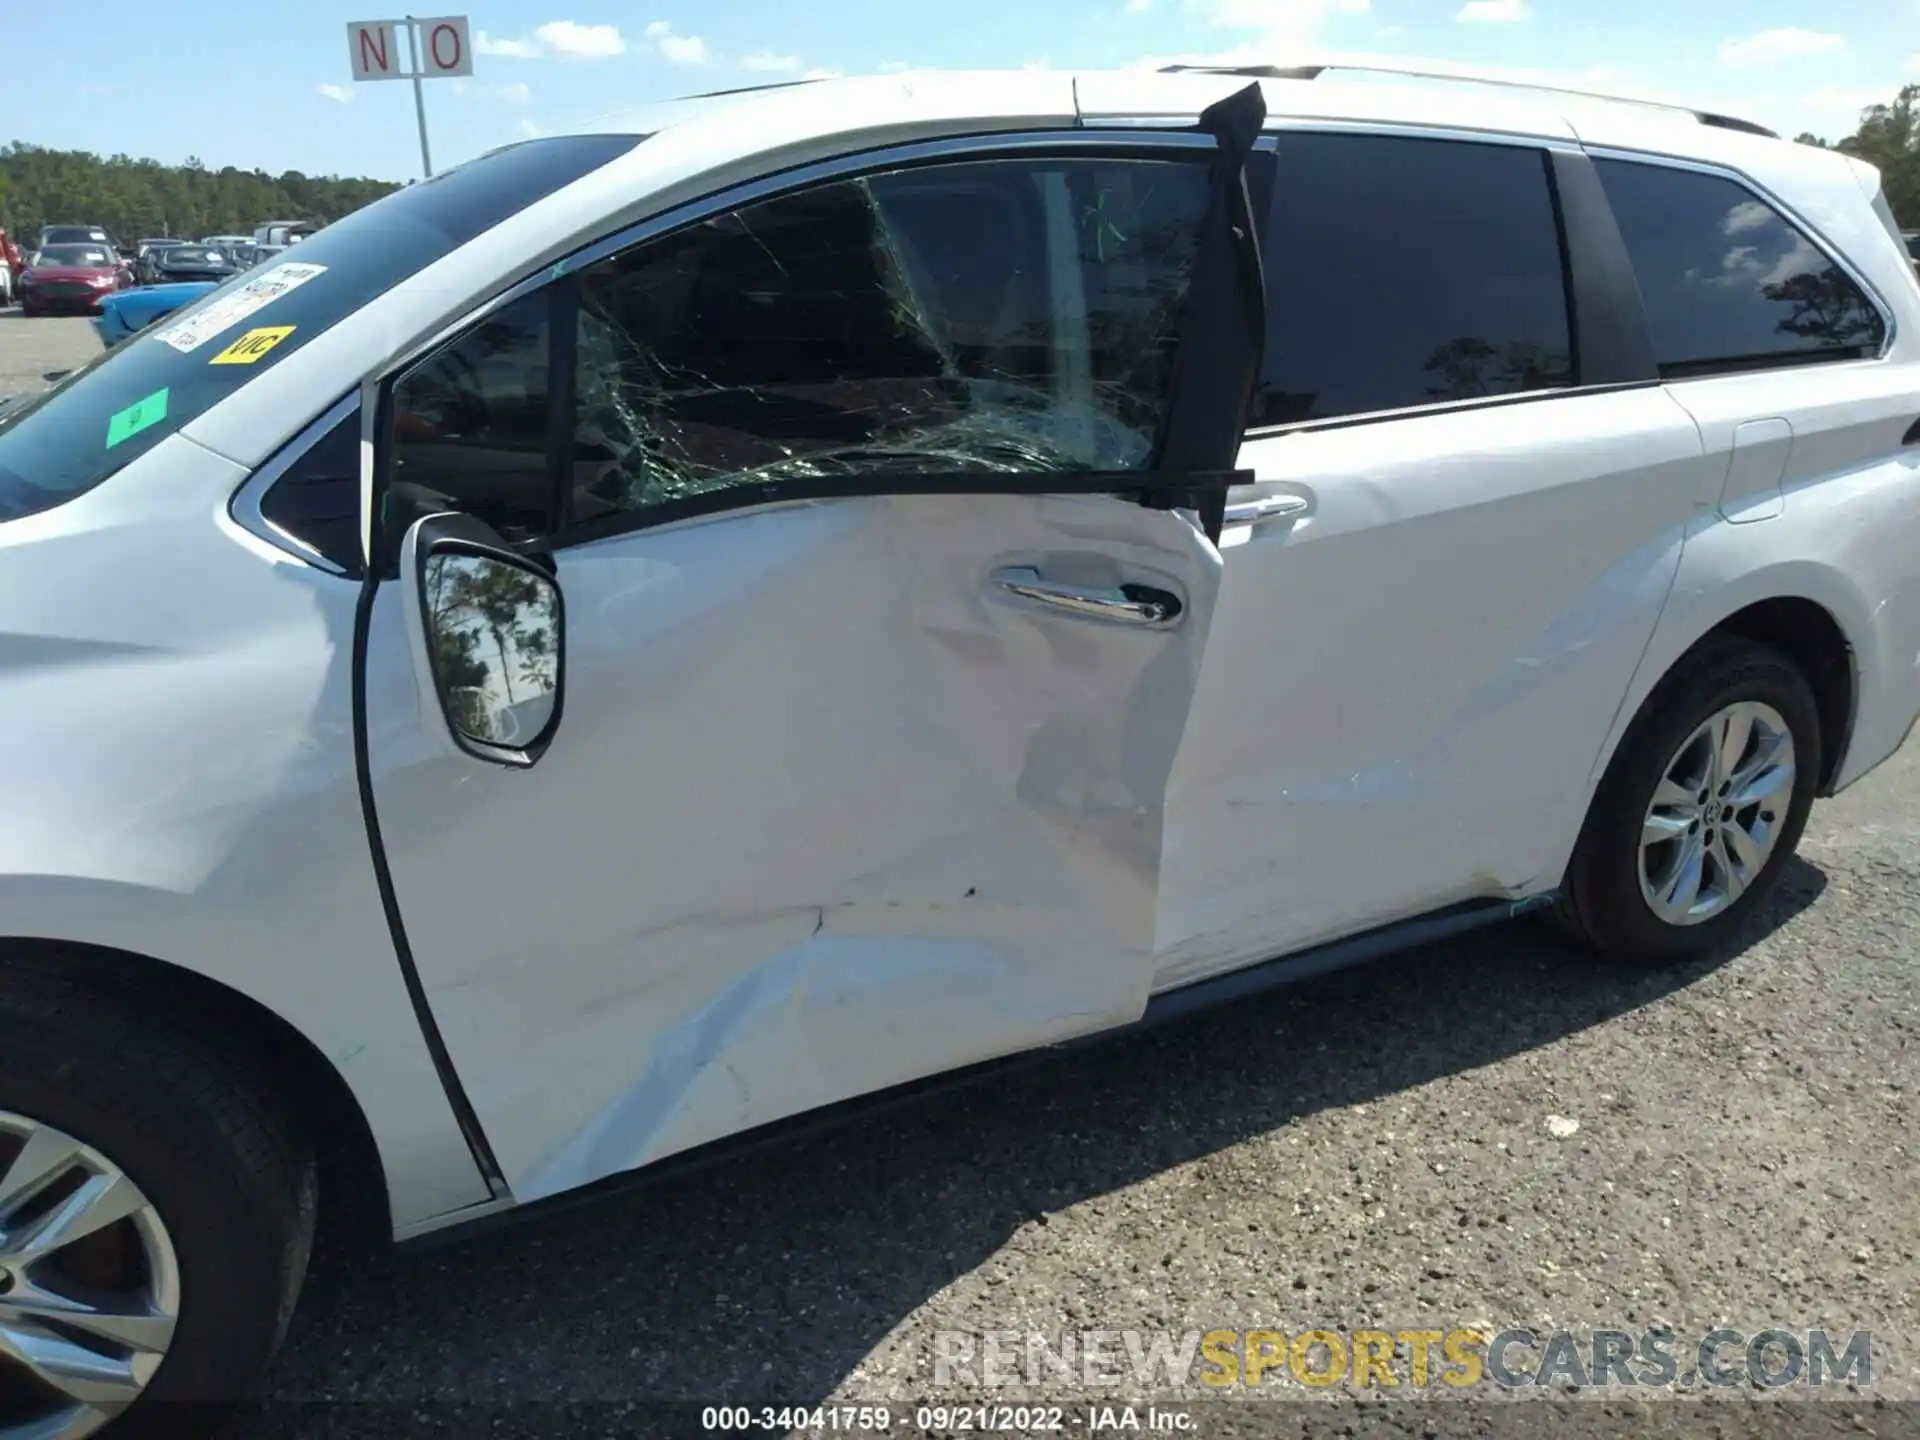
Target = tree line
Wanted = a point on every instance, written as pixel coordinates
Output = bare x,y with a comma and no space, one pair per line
135,198
1889,137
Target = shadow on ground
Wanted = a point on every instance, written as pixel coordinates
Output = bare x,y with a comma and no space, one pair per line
768,1278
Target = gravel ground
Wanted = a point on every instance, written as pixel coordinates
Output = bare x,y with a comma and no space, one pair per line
1385,1148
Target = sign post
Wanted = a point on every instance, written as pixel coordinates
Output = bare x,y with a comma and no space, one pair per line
439,49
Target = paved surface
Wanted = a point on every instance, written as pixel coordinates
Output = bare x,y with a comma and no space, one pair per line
31,348
1371,1149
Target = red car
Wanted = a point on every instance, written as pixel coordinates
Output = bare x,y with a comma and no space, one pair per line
71,278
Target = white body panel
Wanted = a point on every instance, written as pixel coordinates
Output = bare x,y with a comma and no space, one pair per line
1407,687
175,696
826,814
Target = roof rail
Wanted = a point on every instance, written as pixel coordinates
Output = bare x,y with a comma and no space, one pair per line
1315,71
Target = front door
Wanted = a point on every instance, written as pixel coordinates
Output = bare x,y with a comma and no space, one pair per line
885,604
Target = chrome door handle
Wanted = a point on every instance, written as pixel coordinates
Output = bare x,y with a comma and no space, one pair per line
1267,507
1127,604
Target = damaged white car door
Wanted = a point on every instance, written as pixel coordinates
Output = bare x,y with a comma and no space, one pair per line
881,524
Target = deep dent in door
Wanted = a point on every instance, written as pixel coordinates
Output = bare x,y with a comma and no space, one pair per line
827,813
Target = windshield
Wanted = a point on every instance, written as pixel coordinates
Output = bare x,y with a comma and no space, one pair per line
75,255
67,233
128,399
191,255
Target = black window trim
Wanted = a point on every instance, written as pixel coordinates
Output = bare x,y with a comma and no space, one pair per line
1612,348
1127,143
1749,365
245,505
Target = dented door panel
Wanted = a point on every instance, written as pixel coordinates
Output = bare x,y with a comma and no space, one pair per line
831,811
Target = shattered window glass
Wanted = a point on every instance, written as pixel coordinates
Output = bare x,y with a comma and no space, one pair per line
470,427
1000,315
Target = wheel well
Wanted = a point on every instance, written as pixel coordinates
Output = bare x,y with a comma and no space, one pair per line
353,1185
1814,641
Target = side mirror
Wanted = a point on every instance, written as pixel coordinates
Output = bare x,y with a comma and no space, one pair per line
488,628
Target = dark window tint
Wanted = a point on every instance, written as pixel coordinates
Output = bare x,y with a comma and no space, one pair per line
317,499
137,394
997,315
1729,284
470,426
1409,272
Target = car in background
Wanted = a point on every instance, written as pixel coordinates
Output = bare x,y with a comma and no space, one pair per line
72,278
126,313
236,248
179,262
12,262
261,254
283,232
146,256
74,235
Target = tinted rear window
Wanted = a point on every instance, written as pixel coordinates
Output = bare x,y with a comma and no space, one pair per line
112,411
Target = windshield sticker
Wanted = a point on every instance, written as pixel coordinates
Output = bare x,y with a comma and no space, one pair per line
252,345
125,424
195,330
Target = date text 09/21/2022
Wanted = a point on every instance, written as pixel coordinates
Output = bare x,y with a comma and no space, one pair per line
944,1419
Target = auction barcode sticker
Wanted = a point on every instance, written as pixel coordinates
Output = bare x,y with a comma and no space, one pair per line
195,330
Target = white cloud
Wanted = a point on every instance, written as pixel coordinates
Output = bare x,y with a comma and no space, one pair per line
677,49
820,72
574,41
1137,7
1788,43
339,94
485,44
771,62
893,67
530,129
566,39
1492,12
1747,215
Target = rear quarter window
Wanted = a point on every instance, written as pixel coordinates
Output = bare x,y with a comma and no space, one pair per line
115,409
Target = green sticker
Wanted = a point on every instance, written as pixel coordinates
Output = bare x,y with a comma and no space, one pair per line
137,417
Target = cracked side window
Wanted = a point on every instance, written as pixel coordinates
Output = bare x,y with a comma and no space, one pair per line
1001,315
471,426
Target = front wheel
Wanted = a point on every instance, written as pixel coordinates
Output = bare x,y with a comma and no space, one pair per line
156,1210
1700,808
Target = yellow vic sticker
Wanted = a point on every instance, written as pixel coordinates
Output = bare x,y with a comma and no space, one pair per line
252,345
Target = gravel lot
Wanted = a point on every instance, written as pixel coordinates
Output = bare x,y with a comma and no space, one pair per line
1369,1150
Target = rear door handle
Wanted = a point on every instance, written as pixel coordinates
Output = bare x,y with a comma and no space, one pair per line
1267,507
1125,604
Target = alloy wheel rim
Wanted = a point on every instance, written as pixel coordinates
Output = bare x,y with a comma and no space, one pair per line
89,1285
1716,814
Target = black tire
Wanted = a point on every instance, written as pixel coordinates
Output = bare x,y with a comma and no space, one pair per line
1601,903
130,1071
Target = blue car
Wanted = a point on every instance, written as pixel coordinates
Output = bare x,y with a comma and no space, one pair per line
130,311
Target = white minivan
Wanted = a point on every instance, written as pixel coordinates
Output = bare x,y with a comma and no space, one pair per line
654,633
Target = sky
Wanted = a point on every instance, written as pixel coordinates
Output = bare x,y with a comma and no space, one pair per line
267,84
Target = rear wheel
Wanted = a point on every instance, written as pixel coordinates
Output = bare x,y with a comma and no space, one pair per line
156,1209
1700,808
